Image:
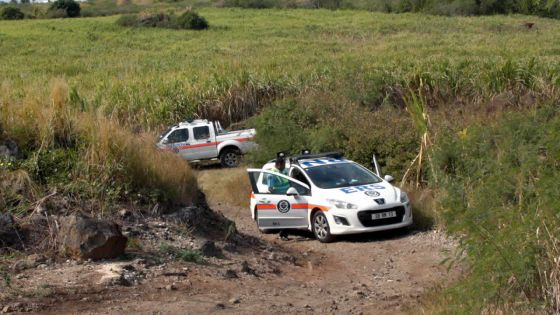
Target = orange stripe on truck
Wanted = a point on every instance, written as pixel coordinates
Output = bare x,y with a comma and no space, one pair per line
192,146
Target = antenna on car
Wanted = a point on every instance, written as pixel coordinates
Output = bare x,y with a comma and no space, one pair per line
375,165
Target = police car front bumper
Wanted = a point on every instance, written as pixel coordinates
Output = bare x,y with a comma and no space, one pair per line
344,221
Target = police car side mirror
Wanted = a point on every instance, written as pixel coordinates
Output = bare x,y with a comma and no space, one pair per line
388,178
292,192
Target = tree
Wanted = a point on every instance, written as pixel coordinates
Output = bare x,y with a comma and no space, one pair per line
11,13
70,8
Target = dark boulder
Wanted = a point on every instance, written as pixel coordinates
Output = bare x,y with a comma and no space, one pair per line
9,235
84,237
9,150
209,249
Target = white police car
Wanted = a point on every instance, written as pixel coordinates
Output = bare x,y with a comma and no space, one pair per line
328,195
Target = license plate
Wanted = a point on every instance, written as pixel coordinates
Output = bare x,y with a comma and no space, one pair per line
384,215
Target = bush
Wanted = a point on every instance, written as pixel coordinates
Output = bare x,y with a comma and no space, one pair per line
64,8
501,191
88,156
11,13
187,20
326,122
155,19
127,20
192,21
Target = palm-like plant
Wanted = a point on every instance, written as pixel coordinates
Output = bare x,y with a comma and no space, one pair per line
417,108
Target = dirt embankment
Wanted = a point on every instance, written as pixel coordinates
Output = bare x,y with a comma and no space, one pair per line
251,273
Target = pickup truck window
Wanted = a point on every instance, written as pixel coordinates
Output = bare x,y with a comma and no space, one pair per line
201,133
179,135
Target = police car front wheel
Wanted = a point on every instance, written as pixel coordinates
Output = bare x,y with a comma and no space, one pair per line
321,228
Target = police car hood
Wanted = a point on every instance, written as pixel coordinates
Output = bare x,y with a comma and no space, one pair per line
364,195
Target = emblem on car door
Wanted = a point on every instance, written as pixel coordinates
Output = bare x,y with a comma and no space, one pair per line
372,193
283,206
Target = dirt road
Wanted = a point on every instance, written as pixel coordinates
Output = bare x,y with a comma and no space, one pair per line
380,273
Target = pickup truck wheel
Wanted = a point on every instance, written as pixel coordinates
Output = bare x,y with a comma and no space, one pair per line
230,158
321,228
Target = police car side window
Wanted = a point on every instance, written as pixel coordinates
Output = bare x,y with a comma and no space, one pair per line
298,175
179,135
201,133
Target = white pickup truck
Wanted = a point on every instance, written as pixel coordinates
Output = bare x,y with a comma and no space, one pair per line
200,139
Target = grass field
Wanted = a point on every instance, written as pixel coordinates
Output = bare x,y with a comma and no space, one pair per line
153,76
86,96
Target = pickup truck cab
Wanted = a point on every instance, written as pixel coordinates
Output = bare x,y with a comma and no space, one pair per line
199,140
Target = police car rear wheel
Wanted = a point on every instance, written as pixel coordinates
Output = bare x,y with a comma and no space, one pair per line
230,158
321,228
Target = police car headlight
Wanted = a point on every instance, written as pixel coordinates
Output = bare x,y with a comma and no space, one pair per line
404,197
342,204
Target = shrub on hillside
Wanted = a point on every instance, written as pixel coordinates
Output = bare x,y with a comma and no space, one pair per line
64,8
153,19
86,156
321,123
188,20
191,20
127,20
11,13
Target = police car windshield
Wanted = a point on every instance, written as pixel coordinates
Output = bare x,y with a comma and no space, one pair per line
341,175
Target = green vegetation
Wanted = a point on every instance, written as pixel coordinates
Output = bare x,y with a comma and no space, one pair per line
189,20
11,13
186,255
466,92
64,9
501,198
85,156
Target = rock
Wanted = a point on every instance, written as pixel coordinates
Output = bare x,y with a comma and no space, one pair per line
209,249
170,287
37,259
14,307
119,274
9,235
84,237
188,215
9,150
230,247
234,300
230,274
220,306
247,269
124,213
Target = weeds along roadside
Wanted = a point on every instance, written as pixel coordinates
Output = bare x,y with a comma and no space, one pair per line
498,183
85,155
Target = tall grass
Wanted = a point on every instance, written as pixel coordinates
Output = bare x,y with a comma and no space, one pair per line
149,78
226,186
89,155
500,197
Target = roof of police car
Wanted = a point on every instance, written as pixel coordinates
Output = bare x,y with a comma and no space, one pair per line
313,160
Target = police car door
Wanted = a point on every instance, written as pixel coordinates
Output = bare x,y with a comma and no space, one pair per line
278,208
